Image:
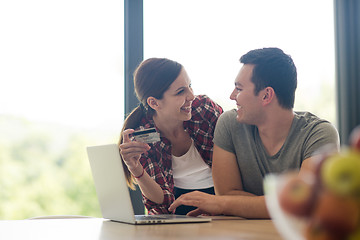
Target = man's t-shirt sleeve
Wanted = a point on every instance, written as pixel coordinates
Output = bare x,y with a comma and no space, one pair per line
222,135
323,134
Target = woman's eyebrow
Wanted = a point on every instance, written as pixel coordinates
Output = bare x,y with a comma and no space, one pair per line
180,88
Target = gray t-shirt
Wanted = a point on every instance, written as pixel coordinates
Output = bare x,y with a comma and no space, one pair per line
307,134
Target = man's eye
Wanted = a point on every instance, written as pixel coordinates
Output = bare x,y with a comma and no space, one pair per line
238,89
180,92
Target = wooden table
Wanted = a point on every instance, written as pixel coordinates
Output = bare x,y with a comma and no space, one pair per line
101,229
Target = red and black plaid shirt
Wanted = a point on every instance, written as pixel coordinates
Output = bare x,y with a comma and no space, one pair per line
157,161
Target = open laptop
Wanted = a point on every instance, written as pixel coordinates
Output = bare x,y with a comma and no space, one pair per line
113,192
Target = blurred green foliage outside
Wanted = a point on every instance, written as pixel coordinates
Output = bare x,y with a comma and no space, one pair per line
44,169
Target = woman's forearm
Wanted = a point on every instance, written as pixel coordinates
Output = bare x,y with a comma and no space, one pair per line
150,189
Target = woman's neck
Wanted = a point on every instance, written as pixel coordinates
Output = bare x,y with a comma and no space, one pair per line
169,129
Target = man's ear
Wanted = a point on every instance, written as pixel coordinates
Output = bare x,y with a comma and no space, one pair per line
268,95
152,102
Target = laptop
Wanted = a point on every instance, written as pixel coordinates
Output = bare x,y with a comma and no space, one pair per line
113,193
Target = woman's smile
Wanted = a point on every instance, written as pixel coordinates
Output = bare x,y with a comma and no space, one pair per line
186,109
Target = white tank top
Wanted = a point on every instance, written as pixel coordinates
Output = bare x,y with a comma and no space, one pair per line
190,171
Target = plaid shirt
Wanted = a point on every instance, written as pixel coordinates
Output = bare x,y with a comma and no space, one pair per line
157,161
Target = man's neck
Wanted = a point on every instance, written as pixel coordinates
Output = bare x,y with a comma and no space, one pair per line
274,131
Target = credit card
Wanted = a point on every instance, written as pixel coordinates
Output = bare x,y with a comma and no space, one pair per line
149,135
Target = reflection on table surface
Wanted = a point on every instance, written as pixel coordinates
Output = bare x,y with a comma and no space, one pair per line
97,228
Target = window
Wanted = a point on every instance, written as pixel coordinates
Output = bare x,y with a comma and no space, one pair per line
209,36
61,90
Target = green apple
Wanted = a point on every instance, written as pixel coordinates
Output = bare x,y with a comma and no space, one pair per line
341,173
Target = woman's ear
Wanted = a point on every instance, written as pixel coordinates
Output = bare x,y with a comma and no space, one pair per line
152,102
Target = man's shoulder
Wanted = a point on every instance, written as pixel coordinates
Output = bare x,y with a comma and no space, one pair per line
228,121
308,118
312,123
306,115
315,132
229,115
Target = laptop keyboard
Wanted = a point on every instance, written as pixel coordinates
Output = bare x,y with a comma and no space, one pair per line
160,216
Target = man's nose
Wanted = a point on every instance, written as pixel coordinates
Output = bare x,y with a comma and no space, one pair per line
233,95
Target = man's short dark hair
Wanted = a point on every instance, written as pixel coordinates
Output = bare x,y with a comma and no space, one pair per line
273,68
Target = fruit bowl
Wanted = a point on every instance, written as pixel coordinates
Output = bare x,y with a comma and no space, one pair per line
322,201
289,227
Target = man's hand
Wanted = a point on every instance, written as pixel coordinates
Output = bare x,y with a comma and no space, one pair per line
206,204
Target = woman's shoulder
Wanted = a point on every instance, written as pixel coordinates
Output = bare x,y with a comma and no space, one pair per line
146,122
201,100
205,102
203,108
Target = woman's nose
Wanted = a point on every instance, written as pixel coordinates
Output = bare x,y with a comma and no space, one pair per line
191,95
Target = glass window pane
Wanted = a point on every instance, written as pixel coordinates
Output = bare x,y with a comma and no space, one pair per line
61,90
209,36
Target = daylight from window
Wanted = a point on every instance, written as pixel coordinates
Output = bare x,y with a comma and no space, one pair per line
62,80
209,36
61,90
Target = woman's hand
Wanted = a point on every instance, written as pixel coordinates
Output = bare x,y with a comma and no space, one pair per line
131,152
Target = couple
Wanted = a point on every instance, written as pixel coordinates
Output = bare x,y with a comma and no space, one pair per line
210,162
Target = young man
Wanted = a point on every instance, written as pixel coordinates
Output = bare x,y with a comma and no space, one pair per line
263,135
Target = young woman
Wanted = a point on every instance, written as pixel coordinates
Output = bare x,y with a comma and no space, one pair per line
181,161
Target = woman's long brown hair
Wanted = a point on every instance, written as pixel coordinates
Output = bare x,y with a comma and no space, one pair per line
151,79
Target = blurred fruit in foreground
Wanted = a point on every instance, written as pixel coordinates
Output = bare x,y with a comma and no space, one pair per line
315,231
297,195
336,213
326,193
341,173
355,235
355,139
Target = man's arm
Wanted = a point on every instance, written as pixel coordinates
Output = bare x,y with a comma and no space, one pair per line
230,199
248,205
226,174
227,181
234,205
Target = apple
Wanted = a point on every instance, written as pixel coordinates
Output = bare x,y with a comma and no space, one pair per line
336,213
354,235
341,173
326,192
316,231
297,195
355,138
